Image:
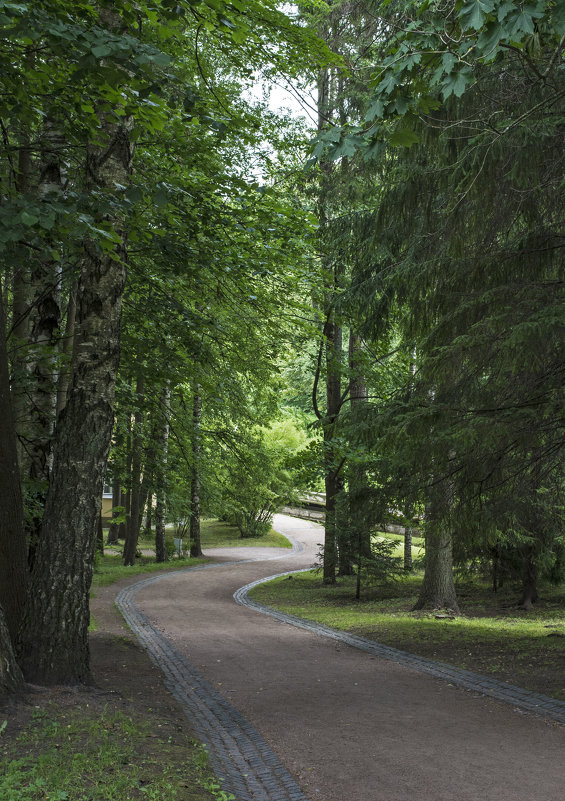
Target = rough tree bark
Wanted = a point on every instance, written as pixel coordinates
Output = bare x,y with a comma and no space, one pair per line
11,679
13,551
43,341
20,308
438,588
54,639
66,353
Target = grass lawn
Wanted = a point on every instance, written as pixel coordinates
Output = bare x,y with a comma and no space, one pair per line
490,635
215,534
77,750
91,753
110,567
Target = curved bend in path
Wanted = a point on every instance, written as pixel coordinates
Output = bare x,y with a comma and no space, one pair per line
291,716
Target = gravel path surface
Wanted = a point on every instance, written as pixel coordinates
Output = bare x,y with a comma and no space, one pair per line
294,713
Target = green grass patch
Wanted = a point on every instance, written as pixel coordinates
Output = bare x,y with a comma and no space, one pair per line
83,754
110,567
216,534
491,635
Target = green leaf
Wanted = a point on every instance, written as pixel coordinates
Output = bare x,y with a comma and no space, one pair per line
100,51
404,137
47,221
162,59
522,22
558,18
332,134
489,41
29,219
375,111
473,14
505,8
160,197
134,194
456,83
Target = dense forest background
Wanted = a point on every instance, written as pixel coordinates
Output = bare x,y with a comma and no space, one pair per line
214,307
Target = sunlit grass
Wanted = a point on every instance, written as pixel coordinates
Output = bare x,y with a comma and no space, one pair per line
489,636
216,534
110,568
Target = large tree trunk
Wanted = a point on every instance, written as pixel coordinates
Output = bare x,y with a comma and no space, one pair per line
333,335
44,342
160,476
54,639
13,561
195,544
11,680
66,353
529,578
20,312
43,357
438,588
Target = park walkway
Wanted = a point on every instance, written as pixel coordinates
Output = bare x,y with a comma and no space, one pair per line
300,712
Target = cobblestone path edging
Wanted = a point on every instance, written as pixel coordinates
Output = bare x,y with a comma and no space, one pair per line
249,768
519,698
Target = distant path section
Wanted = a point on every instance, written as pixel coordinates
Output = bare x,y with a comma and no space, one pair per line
293,716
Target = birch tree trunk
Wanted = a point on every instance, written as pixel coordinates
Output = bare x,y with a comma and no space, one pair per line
66,353
54,640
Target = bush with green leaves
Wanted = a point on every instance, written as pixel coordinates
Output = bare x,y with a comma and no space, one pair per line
257,477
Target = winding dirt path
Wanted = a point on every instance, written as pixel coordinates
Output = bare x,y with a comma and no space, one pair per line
348,725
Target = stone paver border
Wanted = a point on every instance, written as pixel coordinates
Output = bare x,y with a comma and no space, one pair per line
519,698
240,756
